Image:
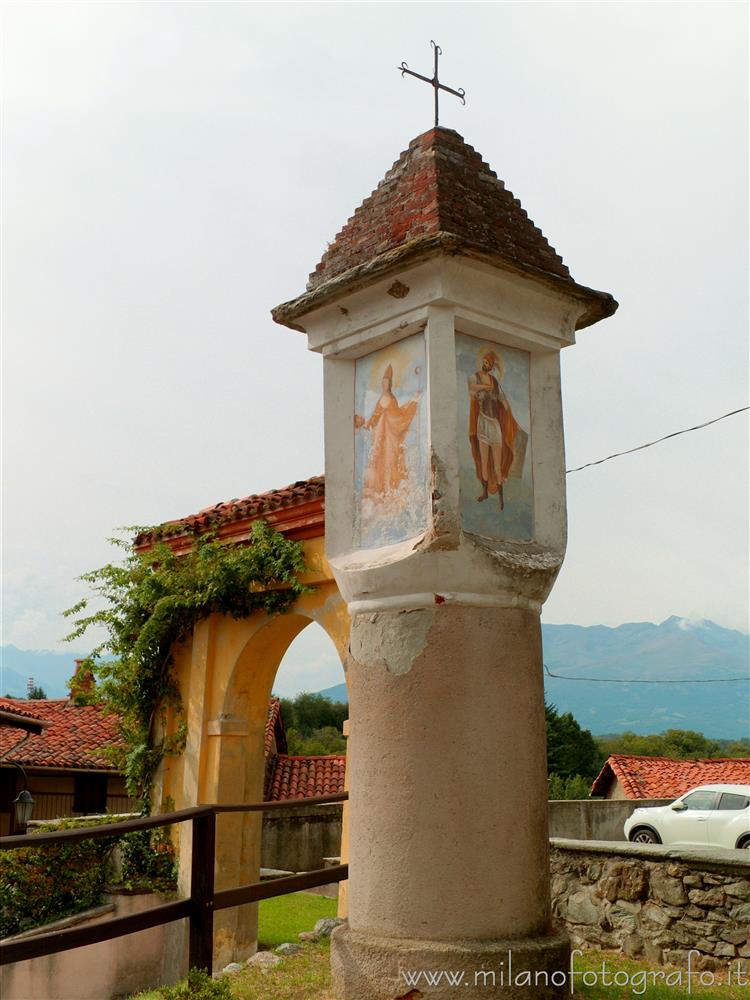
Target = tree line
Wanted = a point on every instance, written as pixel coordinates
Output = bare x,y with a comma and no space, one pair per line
574,756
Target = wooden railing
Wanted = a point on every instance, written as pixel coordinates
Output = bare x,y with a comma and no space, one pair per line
198,908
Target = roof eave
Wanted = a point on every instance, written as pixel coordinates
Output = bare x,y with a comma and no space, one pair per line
599,305
30,724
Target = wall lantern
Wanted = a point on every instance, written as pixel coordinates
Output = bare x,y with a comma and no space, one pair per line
24,806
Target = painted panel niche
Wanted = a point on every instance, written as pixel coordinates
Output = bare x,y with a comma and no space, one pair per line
390,444
494,440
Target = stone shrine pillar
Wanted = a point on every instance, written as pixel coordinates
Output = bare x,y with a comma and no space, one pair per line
440,311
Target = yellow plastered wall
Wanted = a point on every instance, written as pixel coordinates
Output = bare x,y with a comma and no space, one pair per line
225,673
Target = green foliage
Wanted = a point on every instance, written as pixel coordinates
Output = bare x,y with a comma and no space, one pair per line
37,694
198,986
308,713
571,751
148,861
682,744
152,601
572,787
41,884
320,741
38,885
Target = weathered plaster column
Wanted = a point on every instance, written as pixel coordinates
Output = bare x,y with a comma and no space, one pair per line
440,311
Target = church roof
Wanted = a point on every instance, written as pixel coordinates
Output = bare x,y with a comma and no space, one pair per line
439,196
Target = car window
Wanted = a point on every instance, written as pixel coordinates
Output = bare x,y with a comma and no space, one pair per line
700,800
730,800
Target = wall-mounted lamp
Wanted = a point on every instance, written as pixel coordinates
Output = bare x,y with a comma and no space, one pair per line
23,805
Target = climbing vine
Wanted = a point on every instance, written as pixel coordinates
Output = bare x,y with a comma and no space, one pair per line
150,602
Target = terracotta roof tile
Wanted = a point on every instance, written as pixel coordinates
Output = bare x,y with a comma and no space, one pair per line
439,197
275,733
74,738
305,777
439,184
666,778
18,708
257,505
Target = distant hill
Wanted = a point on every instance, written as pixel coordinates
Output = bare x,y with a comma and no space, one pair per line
677,649
50,670
337,693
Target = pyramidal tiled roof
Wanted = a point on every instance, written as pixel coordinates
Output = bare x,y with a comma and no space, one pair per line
439,184
438,197
667,778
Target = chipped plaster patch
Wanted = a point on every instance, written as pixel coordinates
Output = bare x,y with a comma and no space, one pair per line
393,641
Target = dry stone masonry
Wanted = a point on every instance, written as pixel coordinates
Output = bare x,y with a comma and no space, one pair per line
655,903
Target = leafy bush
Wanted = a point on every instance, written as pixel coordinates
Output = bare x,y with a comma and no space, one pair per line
38,885
148,860
570,787
320,741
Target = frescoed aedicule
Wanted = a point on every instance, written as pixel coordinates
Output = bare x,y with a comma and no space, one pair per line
494,443
390,436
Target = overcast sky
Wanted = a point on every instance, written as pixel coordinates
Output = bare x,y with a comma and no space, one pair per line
172,171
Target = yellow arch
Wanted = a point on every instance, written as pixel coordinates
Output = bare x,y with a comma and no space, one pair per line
225,673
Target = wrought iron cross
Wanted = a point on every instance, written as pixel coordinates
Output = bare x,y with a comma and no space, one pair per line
436,84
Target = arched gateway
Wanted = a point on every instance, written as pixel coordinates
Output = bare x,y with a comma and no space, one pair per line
225,673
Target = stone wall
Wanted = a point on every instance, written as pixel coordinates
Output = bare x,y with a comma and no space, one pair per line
655,901
297,840
594,819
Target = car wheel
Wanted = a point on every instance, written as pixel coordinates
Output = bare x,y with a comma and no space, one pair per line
744,844
644,836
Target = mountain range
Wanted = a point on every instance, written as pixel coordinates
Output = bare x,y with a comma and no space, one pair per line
600,676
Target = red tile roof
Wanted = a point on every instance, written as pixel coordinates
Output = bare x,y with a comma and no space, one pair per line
77,733
438,197
305,777
297,510
18,708
439,184
74,738
666,778
275,737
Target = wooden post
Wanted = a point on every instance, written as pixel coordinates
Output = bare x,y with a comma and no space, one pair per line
202,893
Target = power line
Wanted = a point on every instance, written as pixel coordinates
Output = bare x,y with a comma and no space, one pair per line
613,680
650,444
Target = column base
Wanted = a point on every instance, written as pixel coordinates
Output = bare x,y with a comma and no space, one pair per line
366,967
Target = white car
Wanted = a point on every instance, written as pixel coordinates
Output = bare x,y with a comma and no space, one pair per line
706,816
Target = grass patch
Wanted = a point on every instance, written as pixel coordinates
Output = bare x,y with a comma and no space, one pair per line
307,976
300,977
282,918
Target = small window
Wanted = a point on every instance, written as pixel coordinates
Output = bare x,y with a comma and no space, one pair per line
90,794
700,800
7,789
729,800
